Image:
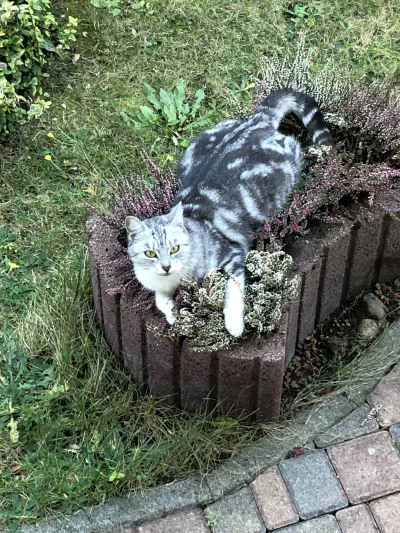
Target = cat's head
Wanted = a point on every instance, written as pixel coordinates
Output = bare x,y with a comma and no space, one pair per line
158,247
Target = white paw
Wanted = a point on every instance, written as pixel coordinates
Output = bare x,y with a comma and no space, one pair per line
170,318
234,322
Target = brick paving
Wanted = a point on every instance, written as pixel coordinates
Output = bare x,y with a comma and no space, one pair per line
349,484
368,467
313,484
273,500
386,512
356,519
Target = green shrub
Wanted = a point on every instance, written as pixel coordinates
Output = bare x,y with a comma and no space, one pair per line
26,29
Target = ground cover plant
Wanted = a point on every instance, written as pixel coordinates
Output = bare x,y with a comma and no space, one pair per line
29,34
78,432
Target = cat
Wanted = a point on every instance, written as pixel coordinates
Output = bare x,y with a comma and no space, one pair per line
234,177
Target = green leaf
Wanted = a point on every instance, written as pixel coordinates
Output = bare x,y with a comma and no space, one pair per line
116,475
146,114
200,95
48,45
224,421
152,97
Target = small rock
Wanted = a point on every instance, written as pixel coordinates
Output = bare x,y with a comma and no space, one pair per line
368,329
374,307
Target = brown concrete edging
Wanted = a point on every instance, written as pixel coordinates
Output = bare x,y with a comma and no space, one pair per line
334,262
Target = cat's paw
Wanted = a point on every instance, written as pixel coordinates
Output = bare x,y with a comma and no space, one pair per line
170,318
234,322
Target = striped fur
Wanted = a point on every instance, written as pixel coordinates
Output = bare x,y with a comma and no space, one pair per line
234,177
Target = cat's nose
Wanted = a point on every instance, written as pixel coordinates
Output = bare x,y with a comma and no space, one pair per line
167,268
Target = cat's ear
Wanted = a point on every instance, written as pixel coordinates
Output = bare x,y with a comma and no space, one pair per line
175,216
133,225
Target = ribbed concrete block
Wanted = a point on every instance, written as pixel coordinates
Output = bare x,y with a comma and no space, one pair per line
333,275
270,379
364,247
309,300
162,355
132,337
237,378
390,266
332,263
292,321
197,381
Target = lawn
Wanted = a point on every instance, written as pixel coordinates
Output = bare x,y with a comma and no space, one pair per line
73,429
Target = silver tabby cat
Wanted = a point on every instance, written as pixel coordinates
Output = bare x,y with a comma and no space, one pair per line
234,177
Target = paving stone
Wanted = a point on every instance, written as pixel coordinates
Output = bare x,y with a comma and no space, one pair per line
387,395
313,484
190,521
349,428
368,467
386,512
236,513
323,524
395,432
357,519
273,499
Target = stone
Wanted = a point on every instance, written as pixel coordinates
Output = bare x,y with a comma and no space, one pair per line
355,425
387,395
273,499
368,467
373,306
395,433
386,512
367,329
323,524
357,519
313,484
192,521
236,513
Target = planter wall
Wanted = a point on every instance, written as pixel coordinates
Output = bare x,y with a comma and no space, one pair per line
335,262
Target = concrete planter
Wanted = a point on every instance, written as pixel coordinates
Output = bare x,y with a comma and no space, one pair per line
335,263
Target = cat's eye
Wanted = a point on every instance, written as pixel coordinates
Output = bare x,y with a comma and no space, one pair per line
150,253
174,249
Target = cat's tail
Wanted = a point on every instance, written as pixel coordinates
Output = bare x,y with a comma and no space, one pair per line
280,103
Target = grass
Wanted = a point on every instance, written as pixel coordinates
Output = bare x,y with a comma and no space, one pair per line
73,430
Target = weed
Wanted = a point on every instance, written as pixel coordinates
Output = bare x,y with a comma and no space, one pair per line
170,113
211,519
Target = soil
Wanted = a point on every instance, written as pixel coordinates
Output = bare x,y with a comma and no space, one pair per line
335,341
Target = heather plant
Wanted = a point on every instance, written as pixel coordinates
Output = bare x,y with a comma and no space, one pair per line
365,120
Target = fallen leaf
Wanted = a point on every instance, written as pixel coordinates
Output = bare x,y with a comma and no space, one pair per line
15,468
